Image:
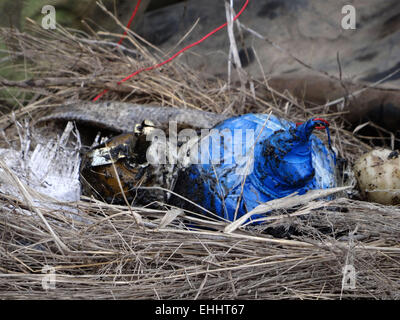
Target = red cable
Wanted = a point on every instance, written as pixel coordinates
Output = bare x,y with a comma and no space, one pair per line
317,119
176,54
322,120
130,21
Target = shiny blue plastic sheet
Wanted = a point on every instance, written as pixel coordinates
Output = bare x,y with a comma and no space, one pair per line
253,158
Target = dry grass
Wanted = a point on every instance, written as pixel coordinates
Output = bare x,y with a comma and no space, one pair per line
107,255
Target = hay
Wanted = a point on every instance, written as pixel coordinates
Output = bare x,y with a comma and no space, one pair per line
107,255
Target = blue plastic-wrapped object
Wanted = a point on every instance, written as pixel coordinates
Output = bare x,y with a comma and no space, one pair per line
251,159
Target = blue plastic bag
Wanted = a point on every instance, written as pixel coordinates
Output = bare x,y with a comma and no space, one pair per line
254,158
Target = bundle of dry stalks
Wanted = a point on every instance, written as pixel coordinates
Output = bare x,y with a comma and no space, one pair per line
104,251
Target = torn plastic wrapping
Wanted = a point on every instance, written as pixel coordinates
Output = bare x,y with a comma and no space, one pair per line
254,158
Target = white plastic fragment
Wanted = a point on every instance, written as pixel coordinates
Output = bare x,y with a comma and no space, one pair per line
51,171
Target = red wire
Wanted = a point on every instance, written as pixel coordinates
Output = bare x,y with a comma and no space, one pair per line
130,21
322,120
317,119
176,54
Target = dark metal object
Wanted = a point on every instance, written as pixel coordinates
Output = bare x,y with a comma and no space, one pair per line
119,165
117,170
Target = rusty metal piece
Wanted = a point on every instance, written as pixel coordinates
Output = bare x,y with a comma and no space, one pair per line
119,166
